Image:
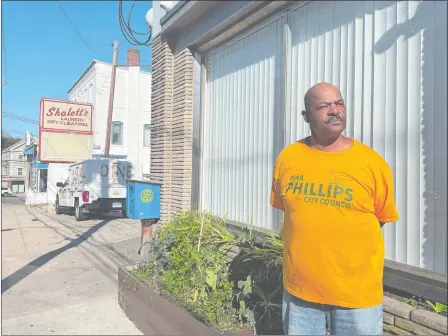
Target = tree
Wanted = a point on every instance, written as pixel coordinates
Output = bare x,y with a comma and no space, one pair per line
8,140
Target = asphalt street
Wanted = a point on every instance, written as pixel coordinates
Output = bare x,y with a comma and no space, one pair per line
13,200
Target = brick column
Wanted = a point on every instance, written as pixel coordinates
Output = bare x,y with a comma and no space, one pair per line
171,126
161,105
182,135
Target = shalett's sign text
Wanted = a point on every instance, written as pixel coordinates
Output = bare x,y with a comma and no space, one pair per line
66,115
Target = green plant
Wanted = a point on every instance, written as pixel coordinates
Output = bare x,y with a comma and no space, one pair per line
412,302
267,304
438,307
270,253
245,292
189,264
122,303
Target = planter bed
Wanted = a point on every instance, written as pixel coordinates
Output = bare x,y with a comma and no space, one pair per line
156,315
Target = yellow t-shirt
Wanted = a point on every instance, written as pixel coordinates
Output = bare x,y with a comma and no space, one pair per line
333,203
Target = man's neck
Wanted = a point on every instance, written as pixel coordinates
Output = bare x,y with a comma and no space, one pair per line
330,145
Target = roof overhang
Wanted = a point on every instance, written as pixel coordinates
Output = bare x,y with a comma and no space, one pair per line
203,25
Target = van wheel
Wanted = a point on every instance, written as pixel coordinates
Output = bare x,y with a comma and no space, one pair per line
124,213
79,216
57,207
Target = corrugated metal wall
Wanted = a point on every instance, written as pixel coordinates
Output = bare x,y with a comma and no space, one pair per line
389,59
242,139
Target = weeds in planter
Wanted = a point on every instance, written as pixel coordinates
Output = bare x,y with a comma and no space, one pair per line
265,262
129,284
193,263
412,301
267,305
122,303
190,264
438,307
270,253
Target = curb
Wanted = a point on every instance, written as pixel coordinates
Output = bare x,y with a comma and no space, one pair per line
401,318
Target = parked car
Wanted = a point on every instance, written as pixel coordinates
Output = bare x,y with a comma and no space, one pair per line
6,192
95,186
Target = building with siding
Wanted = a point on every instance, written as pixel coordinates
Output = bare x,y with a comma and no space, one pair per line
41,178
131,116
227,95
13,167
36,177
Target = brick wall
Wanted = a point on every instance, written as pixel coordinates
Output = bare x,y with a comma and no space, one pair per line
403,319
171,122
182,134
133,57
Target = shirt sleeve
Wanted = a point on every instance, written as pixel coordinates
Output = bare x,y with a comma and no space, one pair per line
385,207
276,192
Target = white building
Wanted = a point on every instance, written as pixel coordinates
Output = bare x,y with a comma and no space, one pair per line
13,167
131,118
41,178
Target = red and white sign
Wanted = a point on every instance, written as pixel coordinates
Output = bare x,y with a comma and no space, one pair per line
63,115
65,131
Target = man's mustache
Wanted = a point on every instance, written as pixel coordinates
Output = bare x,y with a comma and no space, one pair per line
333,118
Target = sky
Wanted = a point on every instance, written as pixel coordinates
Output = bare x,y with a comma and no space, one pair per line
45,56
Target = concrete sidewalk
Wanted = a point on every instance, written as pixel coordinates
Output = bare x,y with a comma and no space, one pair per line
59,276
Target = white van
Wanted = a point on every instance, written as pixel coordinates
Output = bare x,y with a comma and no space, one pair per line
95,186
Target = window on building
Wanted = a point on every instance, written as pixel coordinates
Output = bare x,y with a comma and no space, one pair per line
117,133
43,176
147,135
20,157
19,171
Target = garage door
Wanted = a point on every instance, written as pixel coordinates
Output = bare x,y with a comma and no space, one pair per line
241,125
374,52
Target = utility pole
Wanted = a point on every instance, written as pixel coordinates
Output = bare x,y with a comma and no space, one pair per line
111,100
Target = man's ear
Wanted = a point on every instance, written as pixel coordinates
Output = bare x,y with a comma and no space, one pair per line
305,116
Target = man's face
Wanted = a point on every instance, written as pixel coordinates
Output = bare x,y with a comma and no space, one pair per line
326,112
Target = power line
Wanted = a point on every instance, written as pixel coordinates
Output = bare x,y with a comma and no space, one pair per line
20,118
79,34
76,30
13,131
126,29
10,115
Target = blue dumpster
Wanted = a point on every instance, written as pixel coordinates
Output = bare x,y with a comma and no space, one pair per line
142,200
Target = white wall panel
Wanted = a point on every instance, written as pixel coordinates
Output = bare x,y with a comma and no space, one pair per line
389,59
242,119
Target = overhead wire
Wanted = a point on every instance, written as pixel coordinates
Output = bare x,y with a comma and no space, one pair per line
79,34
128,32
24,119
76,30
9,131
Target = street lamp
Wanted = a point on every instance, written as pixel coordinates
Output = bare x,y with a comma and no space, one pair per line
149,17
166,5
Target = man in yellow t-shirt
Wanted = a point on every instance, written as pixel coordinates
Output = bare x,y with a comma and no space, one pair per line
336,194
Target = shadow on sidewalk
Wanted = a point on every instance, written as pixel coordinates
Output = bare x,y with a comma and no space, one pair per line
26,270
